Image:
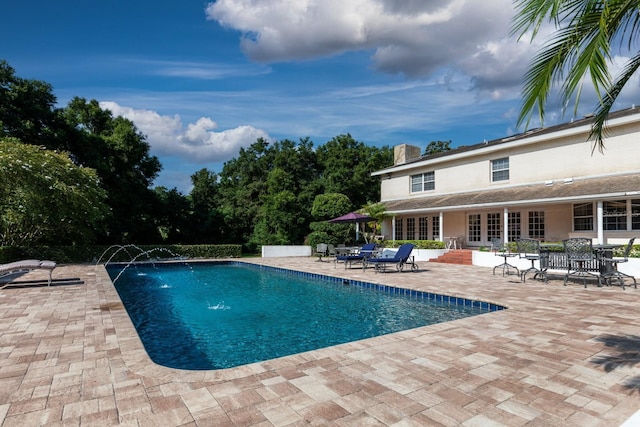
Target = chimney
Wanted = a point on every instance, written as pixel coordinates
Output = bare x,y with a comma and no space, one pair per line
404,153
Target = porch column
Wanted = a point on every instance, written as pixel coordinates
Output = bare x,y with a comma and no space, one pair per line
600,223
393,228
441,226
506,226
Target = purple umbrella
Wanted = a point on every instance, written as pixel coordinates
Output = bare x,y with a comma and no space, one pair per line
353,218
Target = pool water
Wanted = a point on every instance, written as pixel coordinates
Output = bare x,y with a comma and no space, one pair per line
223,315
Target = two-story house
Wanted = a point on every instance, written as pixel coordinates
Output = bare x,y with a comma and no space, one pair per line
547,183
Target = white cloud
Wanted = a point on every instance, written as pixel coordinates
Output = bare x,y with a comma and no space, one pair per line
198,143
414,38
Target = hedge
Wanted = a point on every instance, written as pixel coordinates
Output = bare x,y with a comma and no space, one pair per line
91,254
420,244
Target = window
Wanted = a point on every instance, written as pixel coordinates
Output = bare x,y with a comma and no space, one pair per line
435,227
514,226
474,227
398,230
614,215
423,228
500,170
536,225
583,217
493,226
411,228
423,182
635,214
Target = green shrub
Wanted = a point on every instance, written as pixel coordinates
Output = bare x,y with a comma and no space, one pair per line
420,244
91,254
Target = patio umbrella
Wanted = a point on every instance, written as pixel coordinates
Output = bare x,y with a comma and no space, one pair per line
353,218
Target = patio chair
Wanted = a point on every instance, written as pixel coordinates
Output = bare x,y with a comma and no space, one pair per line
579,252
23,266
612,271
499,249
529,249
322,249
366,251
401,258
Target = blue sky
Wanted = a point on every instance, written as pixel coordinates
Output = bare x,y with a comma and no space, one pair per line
202,79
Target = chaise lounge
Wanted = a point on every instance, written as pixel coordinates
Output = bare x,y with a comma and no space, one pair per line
401,258
23,266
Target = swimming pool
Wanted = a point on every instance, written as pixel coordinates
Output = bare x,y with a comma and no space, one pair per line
226,314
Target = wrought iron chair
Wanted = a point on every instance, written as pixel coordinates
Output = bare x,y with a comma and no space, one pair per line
322,250
579,252
499,249
612,267
530,249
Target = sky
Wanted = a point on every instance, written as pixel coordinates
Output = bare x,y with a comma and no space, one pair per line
203,79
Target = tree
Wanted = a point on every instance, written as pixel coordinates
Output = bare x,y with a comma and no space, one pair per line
26,108
119,153
46,199
327,206
585,33
346,166
206,222
435,147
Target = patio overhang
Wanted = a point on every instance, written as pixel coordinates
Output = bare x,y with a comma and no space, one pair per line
549,192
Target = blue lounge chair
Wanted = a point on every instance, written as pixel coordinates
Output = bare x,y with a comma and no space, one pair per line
401,258
365,252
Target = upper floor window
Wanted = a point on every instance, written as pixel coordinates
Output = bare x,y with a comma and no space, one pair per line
423,182
500,169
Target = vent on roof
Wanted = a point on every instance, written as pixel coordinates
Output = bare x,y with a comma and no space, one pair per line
548,183
568,180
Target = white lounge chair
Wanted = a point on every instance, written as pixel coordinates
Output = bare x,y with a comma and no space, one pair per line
23,266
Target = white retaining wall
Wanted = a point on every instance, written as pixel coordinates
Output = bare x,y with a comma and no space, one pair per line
285,251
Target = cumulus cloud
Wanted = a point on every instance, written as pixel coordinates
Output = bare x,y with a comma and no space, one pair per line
414,38
198,142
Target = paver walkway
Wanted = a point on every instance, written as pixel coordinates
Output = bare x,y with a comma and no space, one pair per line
559,356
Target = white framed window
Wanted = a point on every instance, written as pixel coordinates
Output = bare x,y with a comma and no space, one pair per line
411,228
536,225
423,228
615,215
583,217
635,214
494,226
514,226
500,169
423,182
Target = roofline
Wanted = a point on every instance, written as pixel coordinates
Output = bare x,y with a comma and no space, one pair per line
618,118
557,200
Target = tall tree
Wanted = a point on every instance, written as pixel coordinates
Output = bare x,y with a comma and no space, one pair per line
582,44
46,199
206,224
120,154
435,147
346,166
27,108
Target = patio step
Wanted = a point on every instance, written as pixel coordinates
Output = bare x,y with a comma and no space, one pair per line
458,256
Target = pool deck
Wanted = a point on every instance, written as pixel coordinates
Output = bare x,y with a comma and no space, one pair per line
558,356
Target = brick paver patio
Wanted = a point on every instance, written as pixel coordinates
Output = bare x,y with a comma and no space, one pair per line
559,356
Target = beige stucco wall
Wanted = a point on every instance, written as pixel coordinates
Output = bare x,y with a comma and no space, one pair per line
537,159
